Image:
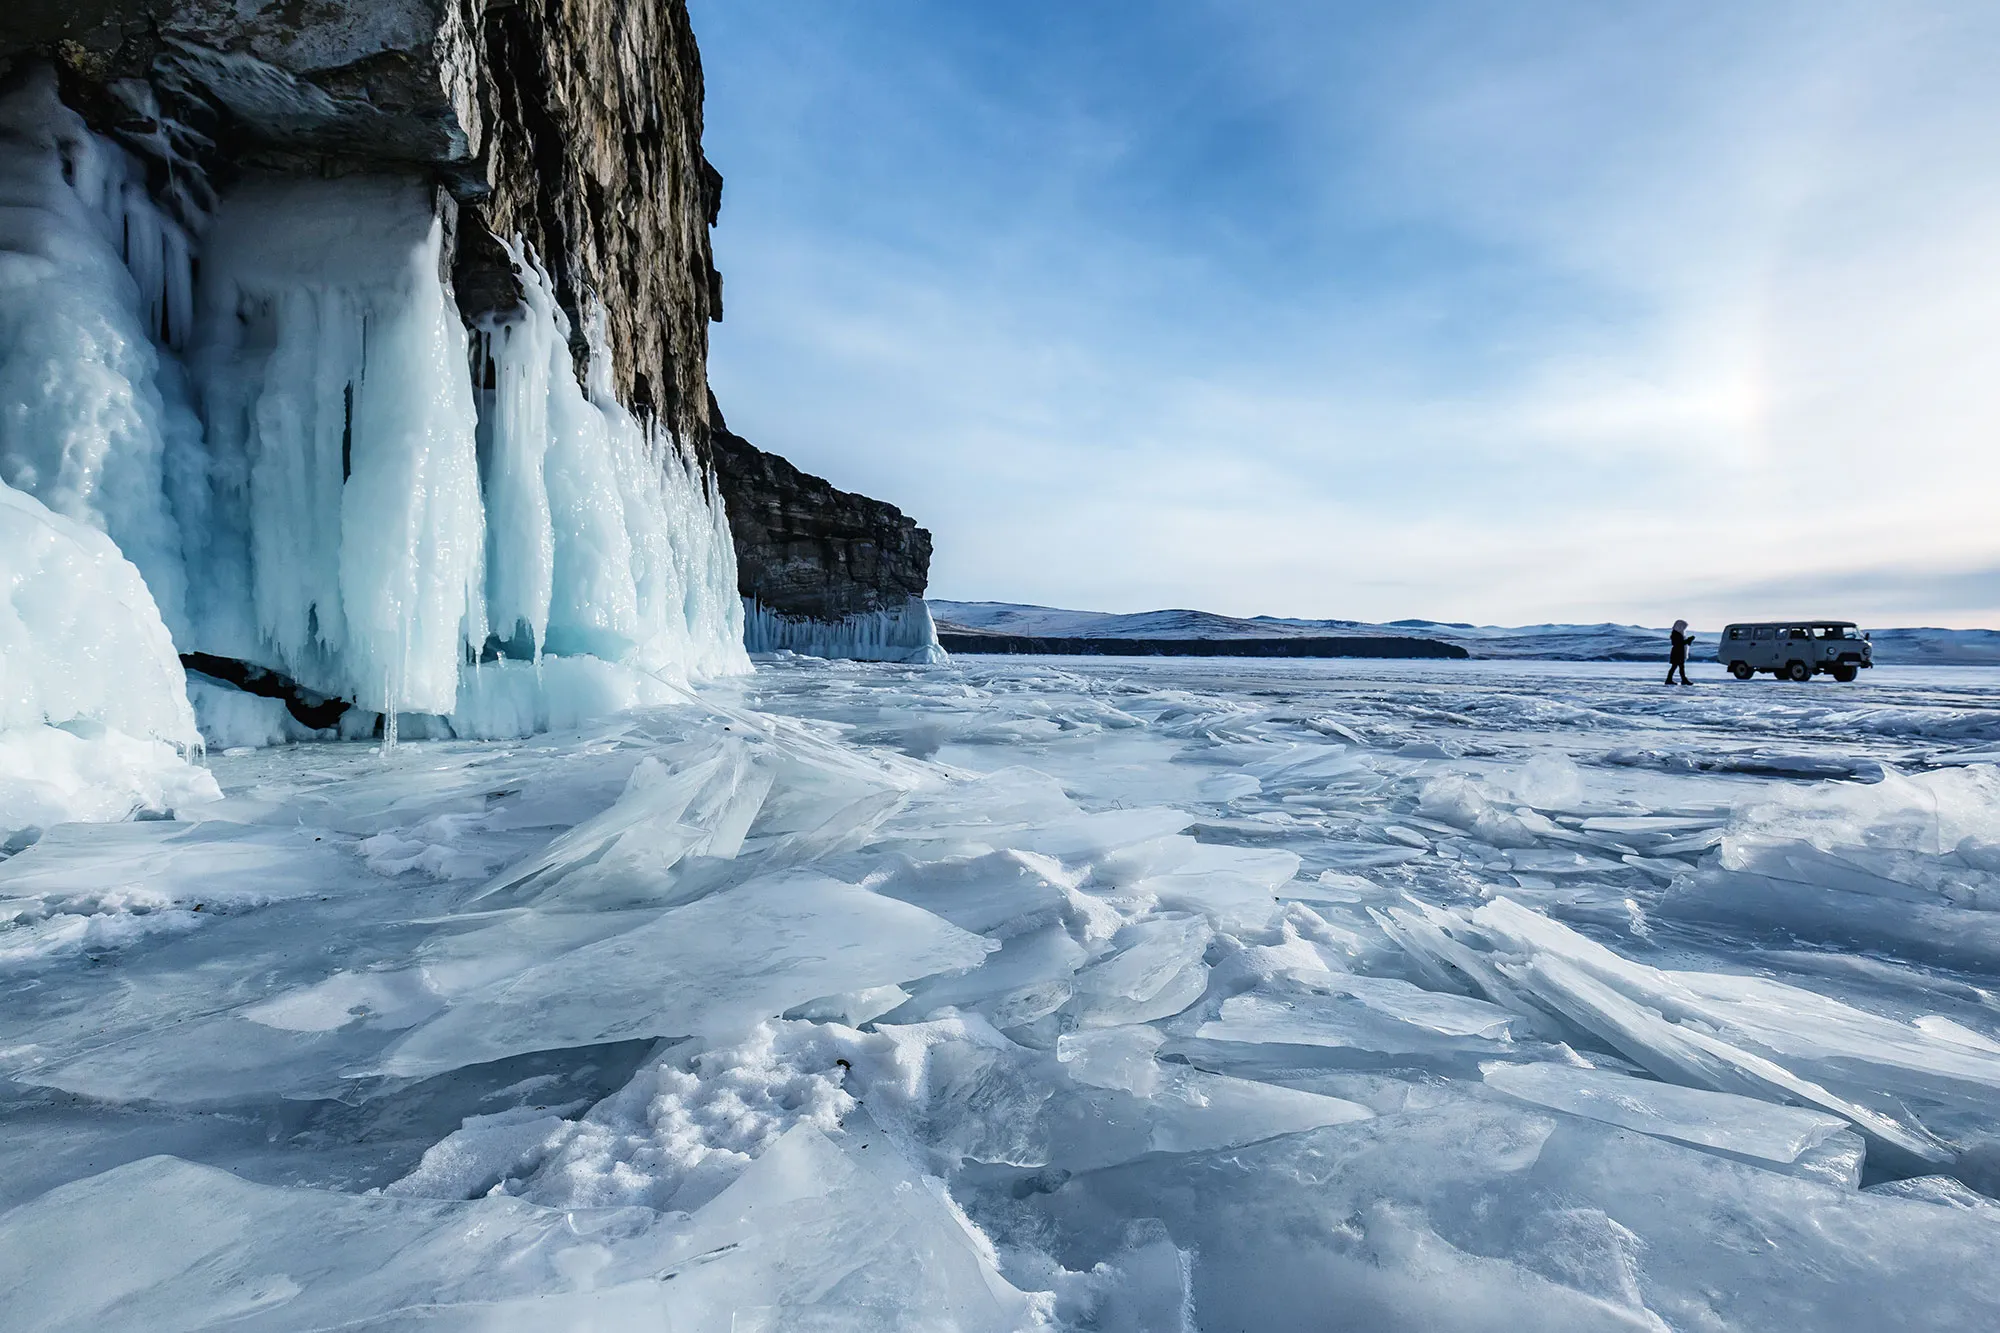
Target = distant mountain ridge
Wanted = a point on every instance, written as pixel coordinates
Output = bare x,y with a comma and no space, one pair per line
1563,643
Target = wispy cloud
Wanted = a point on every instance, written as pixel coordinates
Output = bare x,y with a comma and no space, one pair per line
1479,312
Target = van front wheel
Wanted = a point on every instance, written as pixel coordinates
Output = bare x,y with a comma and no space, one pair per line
1845,674
1742,670
1798,671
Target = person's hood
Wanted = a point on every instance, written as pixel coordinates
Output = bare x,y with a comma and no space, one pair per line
1680,626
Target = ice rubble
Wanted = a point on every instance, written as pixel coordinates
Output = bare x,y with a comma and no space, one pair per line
970,1041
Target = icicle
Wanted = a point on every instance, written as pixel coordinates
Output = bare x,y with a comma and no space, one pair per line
347,535
906,634
606,539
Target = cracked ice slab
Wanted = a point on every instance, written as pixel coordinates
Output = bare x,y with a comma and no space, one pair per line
712,968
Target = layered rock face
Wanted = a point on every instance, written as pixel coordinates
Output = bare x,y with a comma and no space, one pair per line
573,126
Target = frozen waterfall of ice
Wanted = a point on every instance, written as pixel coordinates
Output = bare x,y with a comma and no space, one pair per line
316,471
341,534
94,715
903,634
606,540
91,273
379,510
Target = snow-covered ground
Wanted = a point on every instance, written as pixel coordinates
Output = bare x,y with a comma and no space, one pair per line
1562,643
1114,994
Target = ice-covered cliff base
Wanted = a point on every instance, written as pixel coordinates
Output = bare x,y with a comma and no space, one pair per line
265,408
1169,996
903,634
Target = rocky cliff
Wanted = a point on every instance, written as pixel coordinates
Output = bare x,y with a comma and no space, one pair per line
574,125
806,549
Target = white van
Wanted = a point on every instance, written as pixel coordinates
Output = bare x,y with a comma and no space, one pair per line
1796,649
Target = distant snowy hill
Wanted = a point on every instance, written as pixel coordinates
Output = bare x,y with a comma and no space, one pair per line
1565,643
1943,647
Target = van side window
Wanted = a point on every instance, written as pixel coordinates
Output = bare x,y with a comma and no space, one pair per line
1735,633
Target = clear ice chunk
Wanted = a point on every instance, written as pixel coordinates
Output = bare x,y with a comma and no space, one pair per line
1156,971
826,1233
1343,1022
1742,1125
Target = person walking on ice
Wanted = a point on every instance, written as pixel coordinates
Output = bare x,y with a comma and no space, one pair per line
1678,660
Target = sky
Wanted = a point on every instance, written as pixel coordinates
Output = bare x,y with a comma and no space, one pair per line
1478,311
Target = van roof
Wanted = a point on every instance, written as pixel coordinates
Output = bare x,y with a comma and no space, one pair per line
1784,624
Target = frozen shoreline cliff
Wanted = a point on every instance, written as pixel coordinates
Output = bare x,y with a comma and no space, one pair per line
375,338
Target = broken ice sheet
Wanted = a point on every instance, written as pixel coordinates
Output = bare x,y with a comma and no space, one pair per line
102,887
1084,837
1027,977
482,1152
1372,1014
1235,887
713,967
623,857
1469,1215
1120,1057
1156,971
164,1245
390,1000
1176,1109
1551,1217
998,894
1742,1125
839,1233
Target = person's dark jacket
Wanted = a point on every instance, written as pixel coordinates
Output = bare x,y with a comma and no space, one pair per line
1682,642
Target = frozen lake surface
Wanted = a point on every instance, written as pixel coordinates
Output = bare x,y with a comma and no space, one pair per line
1012,993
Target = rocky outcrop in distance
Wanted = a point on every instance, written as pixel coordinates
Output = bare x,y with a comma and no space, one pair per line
806,549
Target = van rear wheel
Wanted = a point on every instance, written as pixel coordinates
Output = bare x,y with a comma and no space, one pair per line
1742,670
1798,671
